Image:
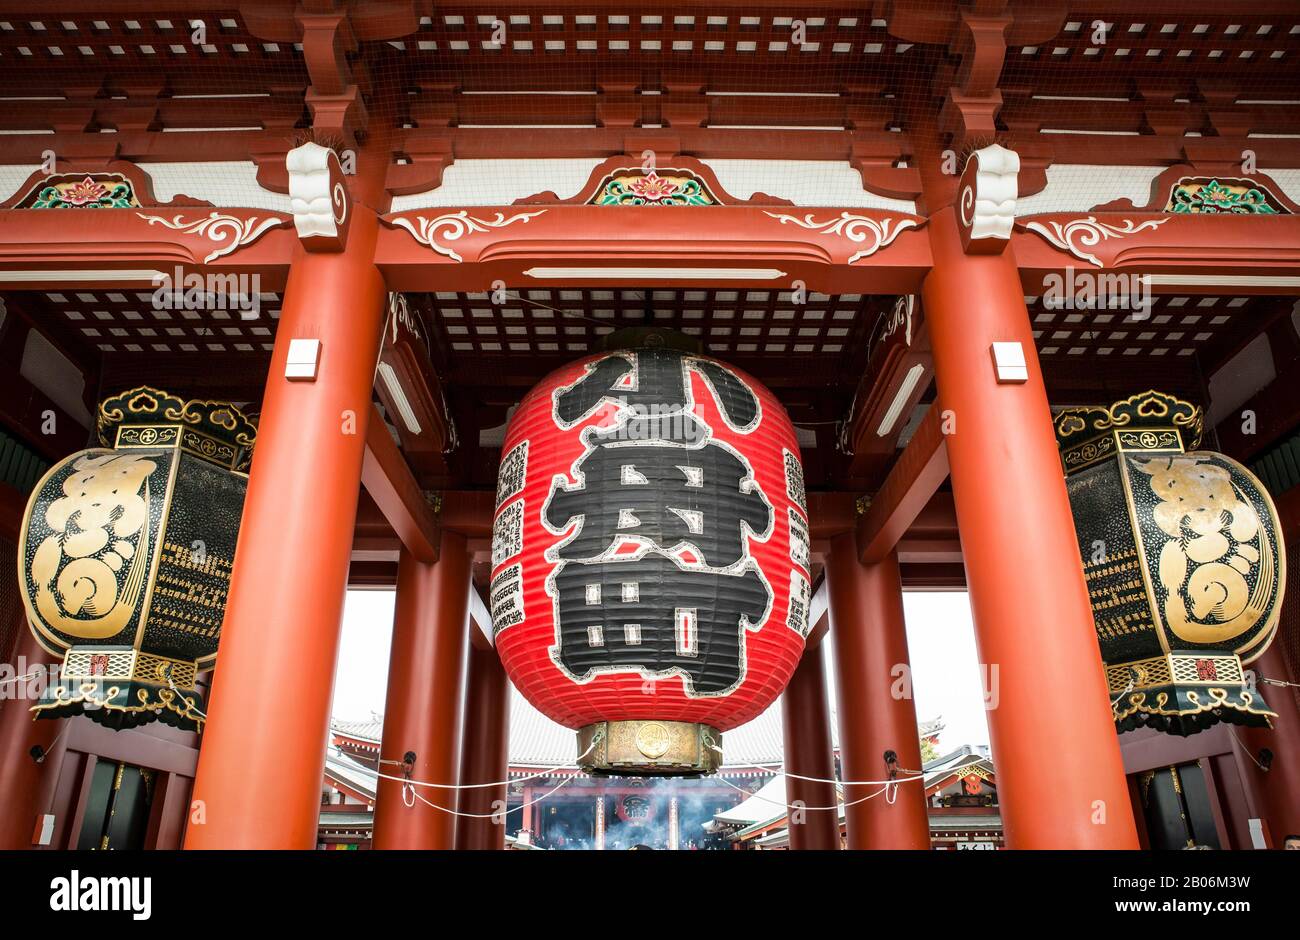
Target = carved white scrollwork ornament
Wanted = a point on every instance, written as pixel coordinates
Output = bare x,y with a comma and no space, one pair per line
1075,235
456,225
876,233
230,232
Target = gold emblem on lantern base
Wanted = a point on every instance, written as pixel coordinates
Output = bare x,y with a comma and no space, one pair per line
653,740
649,748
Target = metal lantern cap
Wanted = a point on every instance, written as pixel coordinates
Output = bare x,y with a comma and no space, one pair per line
215,431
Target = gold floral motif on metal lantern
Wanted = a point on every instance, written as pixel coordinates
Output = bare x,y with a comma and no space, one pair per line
125,555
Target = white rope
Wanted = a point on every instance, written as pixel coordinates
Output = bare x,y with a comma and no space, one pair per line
563,783
476,786
1114,705
188,701
470,786
891,793
788,806
856,783
780,768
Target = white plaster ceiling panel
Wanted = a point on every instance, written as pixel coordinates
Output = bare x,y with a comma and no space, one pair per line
231,183
803,182
1077,187
1288,180
501,182
14,175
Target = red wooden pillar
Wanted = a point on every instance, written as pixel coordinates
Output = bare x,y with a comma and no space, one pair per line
426,673
260,768
526,811
876,710
1277,790
22,780
485,738
1033,623
808,752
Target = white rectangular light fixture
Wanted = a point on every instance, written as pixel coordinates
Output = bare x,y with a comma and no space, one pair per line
82,275
1221,280
1009,362
896,406
651,274
403,405
303,358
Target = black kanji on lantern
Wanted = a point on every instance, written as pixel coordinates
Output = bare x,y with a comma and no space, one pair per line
701,497
651,614
654,383
656,573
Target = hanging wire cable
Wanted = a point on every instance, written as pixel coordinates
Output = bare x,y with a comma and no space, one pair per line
1248,751
564,313
30,675
45,751
1278,682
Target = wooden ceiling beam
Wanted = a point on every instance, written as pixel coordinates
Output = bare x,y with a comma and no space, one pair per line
390,483
468,512
914,479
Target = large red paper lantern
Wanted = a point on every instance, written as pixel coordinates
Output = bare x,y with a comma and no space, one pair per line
650,569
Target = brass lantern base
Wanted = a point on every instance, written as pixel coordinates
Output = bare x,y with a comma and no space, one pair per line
121,687
1184,692
649,748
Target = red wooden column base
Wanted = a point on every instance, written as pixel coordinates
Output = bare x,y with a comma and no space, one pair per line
808,752
1033,622
422,714
870,638
258,783
484,742
23,782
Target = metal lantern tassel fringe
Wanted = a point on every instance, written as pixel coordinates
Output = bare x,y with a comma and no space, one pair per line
1184,561
650,570
125,555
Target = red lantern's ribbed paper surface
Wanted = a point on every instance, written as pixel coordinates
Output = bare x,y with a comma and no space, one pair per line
650,544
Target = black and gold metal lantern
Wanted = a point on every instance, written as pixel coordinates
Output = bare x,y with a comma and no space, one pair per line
1184,562
125,556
